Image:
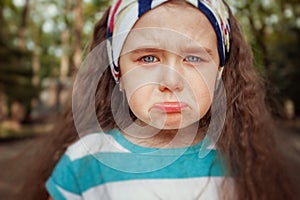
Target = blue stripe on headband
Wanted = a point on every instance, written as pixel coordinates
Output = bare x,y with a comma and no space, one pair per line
144,6
216,27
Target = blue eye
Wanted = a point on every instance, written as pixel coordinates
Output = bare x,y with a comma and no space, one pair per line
192,59
149,59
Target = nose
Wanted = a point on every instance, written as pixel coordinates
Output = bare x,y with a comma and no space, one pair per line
172,79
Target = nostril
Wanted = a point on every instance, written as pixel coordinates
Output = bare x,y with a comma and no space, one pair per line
170,86
164,88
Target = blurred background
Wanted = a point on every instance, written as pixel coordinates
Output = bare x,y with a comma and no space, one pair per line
42,42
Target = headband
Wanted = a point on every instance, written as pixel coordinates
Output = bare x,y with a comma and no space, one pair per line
125,13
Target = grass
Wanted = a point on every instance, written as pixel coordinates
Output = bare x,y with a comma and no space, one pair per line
11,130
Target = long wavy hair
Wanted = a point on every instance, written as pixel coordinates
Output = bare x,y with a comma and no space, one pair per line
247,141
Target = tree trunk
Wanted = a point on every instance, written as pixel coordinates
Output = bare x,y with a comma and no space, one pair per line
64,62
23,25
35,56
65,35
2,22
18,111
35,63
260,36
78,25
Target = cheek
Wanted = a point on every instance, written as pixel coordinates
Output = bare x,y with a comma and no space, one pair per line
135,104
206,79
204,99
202,90
139,101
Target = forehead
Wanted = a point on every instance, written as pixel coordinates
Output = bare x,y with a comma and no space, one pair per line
170,22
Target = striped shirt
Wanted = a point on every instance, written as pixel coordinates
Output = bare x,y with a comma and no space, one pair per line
108,166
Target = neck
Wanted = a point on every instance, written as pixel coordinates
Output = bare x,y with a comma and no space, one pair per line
149,136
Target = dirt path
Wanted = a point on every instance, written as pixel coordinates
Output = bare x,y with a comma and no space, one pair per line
11,163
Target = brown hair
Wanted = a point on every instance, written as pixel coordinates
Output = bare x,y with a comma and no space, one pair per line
247,141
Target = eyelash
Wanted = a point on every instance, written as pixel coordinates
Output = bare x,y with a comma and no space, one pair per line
198,59
156,59
143,59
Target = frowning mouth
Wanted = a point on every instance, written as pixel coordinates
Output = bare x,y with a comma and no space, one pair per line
170,107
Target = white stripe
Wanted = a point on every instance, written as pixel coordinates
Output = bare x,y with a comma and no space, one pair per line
157,3
68,195
176,189
94,143
125,20
193,2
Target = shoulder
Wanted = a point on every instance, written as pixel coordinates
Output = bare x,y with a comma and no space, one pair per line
92,144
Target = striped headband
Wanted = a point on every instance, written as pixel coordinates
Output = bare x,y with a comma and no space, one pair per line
125,13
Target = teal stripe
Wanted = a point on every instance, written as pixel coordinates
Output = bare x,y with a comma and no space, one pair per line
53,191
63,176
140,149
91,172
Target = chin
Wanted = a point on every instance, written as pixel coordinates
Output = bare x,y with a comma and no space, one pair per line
171,125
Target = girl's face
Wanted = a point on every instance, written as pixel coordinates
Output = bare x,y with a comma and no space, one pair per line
169,64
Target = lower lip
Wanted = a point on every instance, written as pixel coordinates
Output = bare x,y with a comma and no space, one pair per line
170,107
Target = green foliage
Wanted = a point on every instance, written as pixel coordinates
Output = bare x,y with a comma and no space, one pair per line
273,29
9,130
46,21
16,75
95,6
15,64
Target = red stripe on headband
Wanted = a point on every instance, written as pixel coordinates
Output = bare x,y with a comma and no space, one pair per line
112,20
116,74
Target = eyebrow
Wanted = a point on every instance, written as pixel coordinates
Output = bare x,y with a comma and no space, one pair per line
198,49
147,50
195,49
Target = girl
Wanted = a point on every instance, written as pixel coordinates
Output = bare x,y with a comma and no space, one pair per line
167,106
